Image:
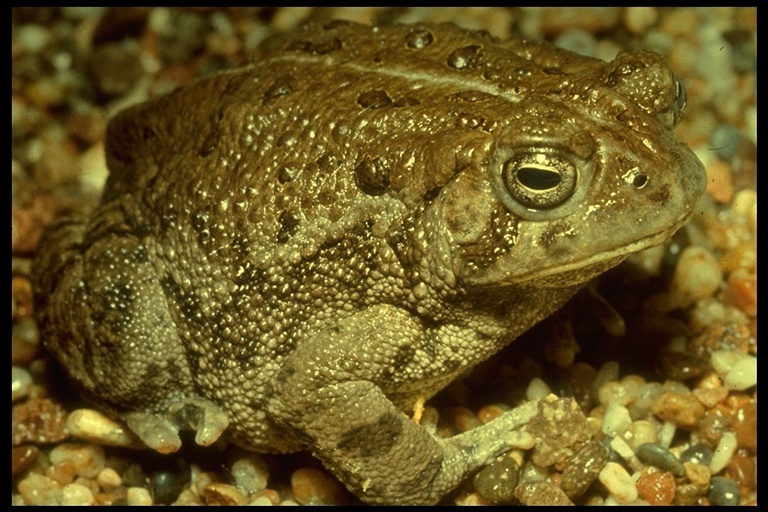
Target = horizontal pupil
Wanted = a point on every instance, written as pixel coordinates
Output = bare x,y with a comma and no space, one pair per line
538,179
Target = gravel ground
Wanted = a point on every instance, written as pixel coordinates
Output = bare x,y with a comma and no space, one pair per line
658,358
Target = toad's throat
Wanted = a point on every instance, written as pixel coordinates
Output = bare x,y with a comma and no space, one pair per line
595,263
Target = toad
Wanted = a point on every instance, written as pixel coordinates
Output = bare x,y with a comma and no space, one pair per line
292,254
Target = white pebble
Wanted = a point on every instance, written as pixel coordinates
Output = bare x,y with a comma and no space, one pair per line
40,490
743,375
86,459
262,501
641,432
723,453
723,361
76,494
138,496
667,433
250,473
697,276
33,38
638,19
623,449
537,389
618,482
21,382
520,439
94,426
108,478
616,420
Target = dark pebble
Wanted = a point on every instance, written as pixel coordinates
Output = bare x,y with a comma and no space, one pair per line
496,483
166,484
22,457
583,468
724,141
656,455
723,491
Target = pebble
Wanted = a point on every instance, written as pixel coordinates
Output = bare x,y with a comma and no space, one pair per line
265,497
640,432
723,361
655,486
583,468
743,374
577,41
87,459
710,397
647,396
723,491
720,181
723,453
659,456
108,479
745,205
223,494
58,162
21,290
464,419
625,452
491,412
40,490
713,425
687,494
639,19
698,474
682,410
541,493
115,70
33,38
138,496
21,382
615,393
315,487
741,291
618,482
167,482
608,372
744,424
76,494
697,454
250,473
496,482
38,420
589,19
537,389
559,426
22,458
697,276
743,470
25,346
616,420
667,433
581,376
724,141
741,257
92,425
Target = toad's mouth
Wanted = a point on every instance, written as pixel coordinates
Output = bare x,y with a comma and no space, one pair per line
600,261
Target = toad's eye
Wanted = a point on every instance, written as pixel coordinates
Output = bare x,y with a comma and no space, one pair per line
678,106
540,181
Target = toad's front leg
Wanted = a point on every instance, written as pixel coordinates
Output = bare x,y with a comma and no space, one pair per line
333,391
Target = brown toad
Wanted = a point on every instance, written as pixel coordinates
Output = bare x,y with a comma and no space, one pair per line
301,250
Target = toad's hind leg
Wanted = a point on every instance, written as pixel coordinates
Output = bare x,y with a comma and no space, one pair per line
103,314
